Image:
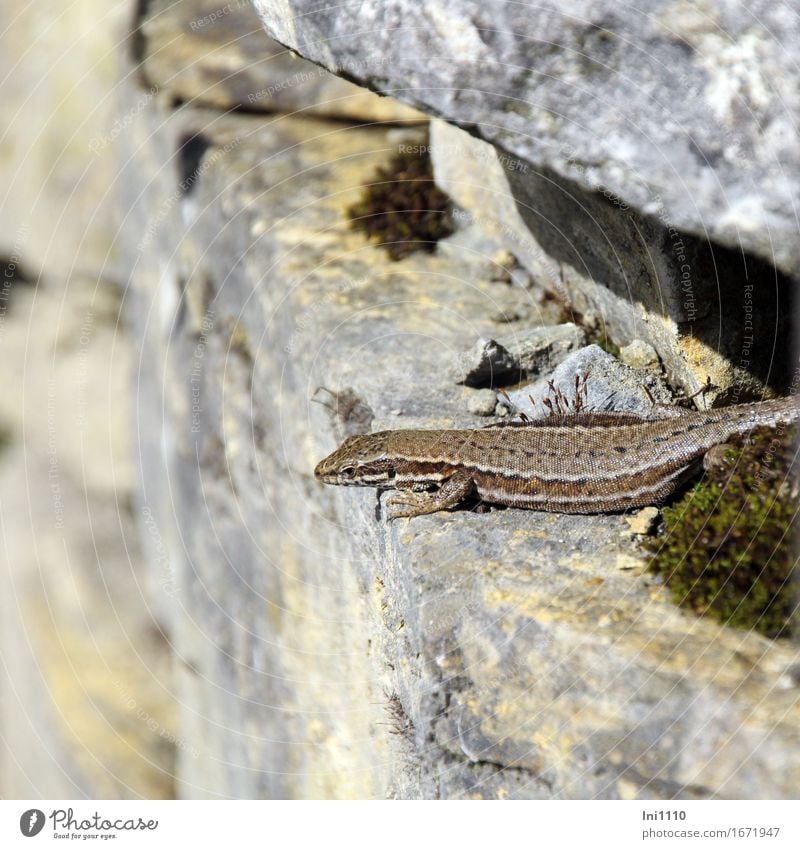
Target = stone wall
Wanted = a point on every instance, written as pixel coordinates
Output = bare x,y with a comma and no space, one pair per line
650,154
322,652
206,324
87,709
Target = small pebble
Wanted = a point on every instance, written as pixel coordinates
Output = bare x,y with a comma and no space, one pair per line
482,402
508,316
590,320
483,363
502,263
644,521
639,355
522,278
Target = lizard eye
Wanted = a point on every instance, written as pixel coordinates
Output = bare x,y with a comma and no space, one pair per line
347,471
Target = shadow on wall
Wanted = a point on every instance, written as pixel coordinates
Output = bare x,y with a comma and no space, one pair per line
737,304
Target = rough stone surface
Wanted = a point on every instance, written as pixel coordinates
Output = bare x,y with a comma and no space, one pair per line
87,708
531,351
610,385
58,126
485,364
284,641
326,653
707,312
639,355
205,52
543,348
682,110
482,402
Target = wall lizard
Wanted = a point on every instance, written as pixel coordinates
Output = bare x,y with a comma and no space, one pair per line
583,462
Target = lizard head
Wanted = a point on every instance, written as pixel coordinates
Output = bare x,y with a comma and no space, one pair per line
358,461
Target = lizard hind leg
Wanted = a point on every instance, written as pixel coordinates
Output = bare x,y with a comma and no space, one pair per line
458,487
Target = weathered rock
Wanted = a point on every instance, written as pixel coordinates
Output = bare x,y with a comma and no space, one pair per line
543,348
202,52
485,364
609,385
582,177
327,653
696,122
639,355
482,402
633,275
490,363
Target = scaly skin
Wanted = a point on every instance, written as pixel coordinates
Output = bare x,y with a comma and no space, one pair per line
580,463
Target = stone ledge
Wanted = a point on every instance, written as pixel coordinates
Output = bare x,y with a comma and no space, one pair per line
674,111
650,203
211,54
517,654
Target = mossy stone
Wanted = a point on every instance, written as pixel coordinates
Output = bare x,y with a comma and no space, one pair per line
729,547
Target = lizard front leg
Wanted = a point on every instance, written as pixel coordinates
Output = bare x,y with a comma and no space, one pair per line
452,492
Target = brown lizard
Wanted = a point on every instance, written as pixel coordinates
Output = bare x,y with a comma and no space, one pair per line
580,463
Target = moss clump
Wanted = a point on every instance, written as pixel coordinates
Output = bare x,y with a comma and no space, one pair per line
402,209
729,548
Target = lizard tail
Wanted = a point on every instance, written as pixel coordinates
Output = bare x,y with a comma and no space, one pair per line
771,413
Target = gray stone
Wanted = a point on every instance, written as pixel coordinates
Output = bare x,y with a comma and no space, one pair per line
639,355
491,363
520,277
503,264
622,273
212,53
542,348
486,363
695,124
609,385
326,652
482,402
587,139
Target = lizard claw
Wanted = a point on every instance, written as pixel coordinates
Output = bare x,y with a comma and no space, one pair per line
452,492
395,507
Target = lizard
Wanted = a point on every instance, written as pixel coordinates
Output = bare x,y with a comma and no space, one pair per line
582,462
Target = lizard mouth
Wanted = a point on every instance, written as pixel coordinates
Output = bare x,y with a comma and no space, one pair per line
325,475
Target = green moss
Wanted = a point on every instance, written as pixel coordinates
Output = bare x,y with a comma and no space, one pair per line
605,343
729,545
402,209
